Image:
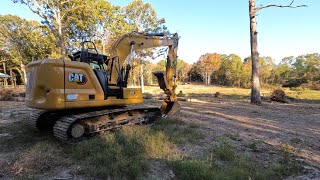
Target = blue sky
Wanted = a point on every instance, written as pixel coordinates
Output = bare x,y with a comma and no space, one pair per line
222,26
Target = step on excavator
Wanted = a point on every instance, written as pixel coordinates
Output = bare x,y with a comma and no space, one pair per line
89,93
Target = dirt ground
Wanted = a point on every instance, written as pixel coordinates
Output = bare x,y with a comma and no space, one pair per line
297,124
271,125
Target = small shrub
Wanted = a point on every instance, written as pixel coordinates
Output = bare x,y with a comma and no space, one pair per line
254,145
233,136
217,95
193,169
180,94
279,95
6,95
10,94
287,150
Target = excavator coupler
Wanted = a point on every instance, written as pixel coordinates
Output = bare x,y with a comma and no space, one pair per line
170,105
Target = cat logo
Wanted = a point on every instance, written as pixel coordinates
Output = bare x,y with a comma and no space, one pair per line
77,78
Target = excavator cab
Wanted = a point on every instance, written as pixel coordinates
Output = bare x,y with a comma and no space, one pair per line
89,55
100,63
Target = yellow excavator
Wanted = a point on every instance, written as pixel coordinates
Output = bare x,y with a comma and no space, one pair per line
89,93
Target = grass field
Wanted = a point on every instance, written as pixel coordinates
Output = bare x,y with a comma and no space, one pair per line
196,90
127,154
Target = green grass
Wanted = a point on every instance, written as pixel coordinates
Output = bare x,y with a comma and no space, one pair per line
126,154
254,145
178,131
34,152
202,169
304,94
122,154
224,151
20,136
226,163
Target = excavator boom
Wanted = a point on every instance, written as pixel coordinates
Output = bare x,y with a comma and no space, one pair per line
128,43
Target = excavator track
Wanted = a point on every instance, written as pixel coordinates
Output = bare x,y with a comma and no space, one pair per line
68,126
35,117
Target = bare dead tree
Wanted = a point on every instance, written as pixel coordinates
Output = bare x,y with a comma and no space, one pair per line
255,87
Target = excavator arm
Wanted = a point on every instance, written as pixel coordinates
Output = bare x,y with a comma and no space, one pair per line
128,43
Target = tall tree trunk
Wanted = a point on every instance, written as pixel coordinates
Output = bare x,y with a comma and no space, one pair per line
5,80
12,79
209,79
255,87
24,73
205,78
62,44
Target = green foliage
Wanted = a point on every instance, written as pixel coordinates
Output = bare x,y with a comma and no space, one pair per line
72,20
206,65
22,41
183,69
303,70
28,39
141,16
230,72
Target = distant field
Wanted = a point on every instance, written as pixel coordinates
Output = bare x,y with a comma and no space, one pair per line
233,92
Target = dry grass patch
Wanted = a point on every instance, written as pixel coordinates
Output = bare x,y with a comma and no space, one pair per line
20,136
41,158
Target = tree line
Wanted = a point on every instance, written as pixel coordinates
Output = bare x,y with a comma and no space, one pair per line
231,70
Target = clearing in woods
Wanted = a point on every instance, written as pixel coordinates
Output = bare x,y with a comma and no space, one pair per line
212,138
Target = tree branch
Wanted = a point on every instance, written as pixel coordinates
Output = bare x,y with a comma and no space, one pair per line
279,6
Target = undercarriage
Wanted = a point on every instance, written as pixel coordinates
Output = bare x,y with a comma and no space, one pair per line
73,125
